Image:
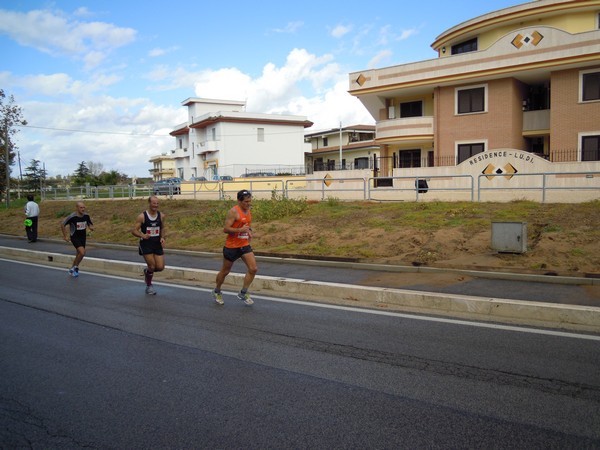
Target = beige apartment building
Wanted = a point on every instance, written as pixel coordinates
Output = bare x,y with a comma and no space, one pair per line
525,78
163,167
344,148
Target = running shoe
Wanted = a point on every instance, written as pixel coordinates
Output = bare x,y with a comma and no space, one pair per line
150,290
74,272
245,298
218,296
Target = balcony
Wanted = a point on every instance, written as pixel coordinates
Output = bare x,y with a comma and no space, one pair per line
407,129
536,121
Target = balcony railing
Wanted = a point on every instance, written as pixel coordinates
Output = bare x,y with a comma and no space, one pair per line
536,120
418,127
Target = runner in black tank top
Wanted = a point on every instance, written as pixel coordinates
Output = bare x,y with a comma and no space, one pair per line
150,229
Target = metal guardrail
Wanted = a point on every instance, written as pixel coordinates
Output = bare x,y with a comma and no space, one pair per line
421,189
544,187
320,185
356,188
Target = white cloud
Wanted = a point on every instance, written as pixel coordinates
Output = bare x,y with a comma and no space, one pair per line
291,27
376,60
276,86
405,34
340,30
122,133
156,52
60,35
58,84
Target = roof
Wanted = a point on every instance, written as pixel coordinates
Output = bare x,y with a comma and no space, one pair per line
353,128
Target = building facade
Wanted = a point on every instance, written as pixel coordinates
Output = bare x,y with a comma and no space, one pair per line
525,78
163,167
342,148
221,139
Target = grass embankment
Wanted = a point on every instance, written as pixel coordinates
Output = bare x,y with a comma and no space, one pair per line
561,237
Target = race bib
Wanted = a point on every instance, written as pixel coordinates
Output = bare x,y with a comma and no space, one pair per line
81,225
153,231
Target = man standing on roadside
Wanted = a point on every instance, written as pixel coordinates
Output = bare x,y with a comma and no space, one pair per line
150,229
237,245
77,223
32,212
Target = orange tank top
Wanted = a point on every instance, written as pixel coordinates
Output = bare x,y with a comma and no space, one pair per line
237,240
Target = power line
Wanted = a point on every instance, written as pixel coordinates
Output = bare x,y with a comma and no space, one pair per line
122,133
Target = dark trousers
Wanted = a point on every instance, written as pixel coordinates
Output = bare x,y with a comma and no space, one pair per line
32,230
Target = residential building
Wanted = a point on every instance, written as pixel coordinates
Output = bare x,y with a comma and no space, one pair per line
525,77
163,167
221,139
343,148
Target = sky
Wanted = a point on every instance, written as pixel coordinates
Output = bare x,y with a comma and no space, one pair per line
103,82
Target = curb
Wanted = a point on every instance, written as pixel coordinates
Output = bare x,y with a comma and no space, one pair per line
539,314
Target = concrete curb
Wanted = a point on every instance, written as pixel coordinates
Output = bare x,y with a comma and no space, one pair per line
550,315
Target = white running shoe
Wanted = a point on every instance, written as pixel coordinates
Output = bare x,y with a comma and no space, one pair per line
245,298
150,290
218,298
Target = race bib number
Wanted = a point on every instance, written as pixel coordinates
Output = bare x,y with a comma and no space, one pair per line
243,236
153,231
81,225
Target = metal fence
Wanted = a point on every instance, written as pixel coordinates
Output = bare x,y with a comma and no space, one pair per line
572,186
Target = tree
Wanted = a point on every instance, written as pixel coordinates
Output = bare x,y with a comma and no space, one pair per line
34,176
111,178
10,116
95,168
82,175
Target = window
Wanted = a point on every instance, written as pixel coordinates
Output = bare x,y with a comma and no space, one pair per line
260,134
180,143
409,158
471,100
325,142
318,165
590,86
411,109
361,163
465,47
590,148
465,151
213,132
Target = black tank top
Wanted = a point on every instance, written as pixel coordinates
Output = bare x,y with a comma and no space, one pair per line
152,226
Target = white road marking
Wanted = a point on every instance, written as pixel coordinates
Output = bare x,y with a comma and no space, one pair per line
493,326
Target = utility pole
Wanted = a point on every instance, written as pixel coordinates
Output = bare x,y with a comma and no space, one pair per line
6,162
340,145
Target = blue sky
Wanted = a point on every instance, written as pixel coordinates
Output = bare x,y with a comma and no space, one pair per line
103,82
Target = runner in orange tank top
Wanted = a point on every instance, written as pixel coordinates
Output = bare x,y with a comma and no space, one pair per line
237,245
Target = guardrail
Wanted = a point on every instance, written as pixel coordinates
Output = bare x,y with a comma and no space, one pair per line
545,186
324,186
447,187
422,185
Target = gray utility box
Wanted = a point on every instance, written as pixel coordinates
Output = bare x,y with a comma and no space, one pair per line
509,237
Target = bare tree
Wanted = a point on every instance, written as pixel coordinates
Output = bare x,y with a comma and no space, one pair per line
10,116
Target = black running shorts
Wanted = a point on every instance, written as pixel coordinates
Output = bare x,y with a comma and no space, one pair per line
150,247
231,254
78,241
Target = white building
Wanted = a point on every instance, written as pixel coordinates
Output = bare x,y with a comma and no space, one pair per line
220,138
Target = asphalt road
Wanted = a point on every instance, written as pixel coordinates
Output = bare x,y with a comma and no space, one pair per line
516,287
93,362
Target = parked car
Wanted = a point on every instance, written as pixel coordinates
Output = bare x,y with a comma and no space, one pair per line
198,179
222,178
170,186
